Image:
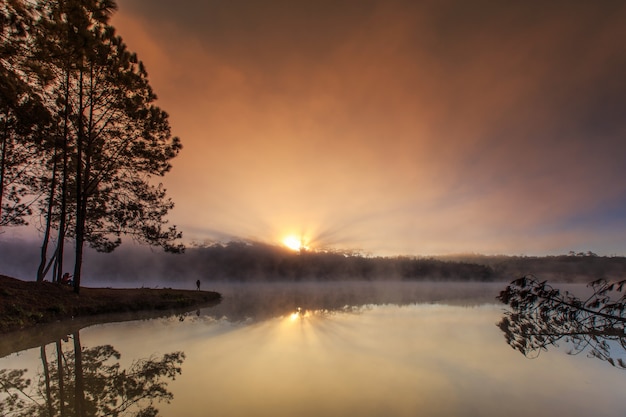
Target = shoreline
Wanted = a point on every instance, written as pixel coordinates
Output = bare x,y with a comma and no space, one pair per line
29,304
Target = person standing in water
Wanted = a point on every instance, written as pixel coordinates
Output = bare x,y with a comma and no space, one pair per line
198,284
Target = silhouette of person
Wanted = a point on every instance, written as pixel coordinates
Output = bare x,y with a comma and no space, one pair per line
198,284
66,279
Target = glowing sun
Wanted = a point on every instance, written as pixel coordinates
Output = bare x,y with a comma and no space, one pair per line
294,243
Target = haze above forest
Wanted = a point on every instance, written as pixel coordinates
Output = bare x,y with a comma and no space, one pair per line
259,262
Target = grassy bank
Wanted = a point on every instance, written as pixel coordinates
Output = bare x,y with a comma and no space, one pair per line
25,304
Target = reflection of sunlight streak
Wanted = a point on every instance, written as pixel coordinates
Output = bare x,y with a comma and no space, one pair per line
303,314
312,332
297,314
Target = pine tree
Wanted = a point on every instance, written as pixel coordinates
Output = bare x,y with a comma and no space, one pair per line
105,142
23,115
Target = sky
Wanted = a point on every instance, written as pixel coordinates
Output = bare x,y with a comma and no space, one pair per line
393,127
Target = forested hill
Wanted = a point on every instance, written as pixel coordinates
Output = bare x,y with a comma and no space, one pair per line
245,261
250,261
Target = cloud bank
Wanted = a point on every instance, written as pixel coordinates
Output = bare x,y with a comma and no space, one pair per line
395,127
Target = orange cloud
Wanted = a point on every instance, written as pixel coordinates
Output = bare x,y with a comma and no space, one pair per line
391,126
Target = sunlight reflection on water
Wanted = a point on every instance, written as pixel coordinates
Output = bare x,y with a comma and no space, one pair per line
373,359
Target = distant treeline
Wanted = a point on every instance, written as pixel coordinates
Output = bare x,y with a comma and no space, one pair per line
245,262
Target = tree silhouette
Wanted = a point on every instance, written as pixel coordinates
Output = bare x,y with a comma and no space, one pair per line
13,387
542,316
89,382
23,115
80,132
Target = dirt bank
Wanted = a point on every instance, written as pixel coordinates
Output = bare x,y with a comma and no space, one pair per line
25,304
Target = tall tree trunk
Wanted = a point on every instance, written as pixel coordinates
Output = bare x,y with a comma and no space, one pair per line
81,206
42,270
63,213
64,184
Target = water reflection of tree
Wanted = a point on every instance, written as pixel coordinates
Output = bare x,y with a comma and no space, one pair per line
89,382
541,316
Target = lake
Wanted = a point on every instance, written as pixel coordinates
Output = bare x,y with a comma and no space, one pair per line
325,349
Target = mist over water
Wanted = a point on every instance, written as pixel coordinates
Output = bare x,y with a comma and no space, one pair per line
266,300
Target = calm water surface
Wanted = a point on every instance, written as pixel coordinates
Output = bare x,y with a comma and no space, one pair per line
349,349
